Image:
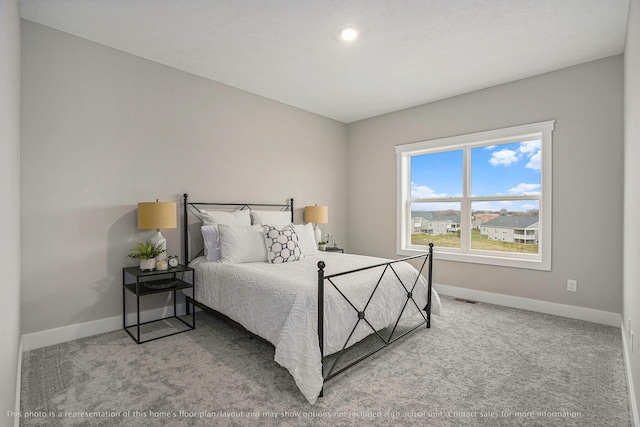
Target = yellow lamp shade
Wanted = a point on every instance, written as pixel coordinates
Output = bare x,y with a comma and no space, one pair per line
157,215
316,214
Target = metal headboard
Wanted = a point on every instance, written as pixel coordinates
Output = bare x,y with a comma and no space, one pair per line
198,205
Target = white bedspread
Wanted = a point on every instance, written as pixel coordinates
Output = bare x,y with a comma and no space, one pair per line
279,303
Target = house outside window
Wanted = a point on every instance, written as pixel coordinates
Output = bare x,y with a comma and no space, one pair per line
481,198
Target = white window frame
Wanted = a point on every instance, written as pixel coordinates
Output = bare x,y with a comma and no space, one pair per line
540,261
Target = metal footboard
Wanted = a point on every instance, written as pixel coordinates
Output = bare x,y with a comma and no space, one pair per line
328,280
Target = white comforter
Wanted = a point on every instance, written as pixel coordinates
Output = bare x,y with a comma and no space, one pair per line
279,303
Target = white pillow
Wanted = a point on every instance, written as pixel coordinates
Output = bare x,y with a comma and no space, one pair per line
277,218
306,239
282,244
241,244
211,244
241,217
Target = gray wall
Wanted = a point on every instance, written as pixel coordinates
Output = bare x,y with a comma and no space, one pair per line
103,130
586,102
10,196
632,189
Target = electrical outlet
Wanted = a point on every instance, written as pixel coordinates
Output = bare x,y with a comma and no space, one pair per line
572,285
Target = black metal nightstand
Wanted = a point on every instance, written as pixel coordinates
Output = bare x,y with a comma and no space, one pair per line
155,282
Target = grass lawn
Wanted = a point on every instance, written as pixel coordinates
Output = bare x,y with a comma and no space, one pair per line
478,242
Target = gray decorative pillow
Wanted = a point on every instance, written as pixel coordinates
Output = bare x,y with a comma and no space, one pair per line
282,244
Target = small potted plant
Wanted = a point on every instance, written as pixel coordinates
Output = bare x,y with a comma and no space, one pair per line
147,252
322,245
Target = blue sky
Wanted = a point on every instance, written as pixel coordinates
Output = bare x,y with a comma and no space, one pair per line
511,169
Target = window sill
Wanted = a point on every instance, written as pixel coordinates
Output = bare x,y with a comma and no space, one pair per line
500,261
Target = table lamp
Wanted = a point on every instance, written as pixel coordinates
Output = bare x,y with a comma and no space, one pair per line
157,215
316,215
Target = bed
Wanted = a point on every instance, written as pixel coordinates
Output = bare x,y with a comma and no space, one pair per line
276,298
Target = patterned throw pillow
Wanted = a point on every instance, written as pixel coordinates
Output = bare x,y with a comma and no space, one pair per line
282,244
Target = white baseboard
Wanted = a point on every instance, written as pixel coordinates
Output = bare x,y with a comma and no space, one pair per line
82,330
627,364
563,310
87,329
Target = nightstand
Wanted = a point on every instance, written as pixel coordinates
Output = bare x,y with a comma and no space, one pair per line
334,249
142,283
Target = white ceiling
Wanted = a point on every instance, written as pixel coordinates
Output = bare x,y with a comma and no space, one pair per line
409,52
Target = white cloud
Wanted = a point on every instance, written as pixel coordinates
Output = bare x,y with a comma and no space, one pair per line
503,157
506,157
534,162
529,147
524,188
435,206
424,192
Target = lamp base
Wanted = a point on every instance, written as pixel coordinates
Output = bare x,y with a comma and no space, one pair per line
159,238
317,233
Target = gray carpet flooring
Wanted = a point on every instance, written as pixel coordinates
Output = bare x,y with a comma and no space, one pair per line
478,365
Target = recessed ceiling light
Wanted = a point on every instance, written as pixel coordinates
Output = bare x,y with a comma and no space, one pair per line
349,34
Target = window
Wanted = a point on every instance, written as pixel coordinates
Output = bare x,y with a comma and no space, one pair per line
482,198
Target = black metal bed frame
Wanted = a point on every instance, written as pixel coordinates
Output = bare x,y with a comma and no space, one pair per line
323,280
194,205
388,266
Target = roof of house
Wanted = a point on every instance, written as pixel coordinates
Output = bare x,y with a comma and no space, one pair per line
435,216
512,221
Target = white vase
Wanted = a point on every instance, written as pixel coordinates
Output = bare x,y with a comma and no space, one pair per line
147,264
